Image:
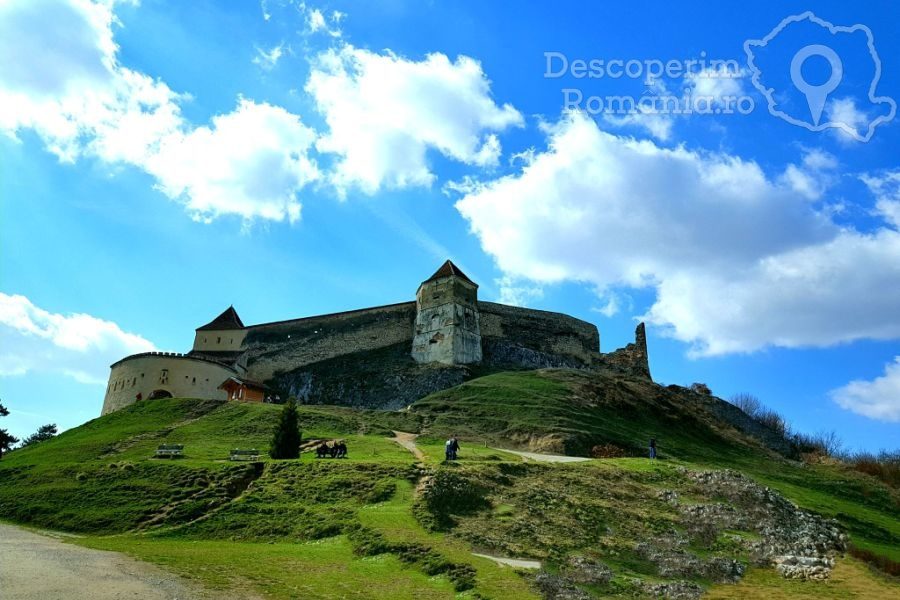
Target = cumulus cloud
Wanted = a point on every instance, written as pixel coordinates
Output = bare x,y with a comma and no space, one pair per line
251,162
877,399
60,77
78,345
385,112
739,260
886,188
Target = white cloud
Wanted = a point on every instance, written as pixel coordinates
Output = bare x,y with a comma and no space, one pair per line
739,261
60,76
251,162
813,176
853,122
384,112
877,399
659,125
518,292
886,188
78,345
267,59
715,87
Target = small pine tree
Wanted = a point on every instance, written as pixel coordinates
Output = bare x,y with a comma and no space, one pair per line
44,432
7,441
286,439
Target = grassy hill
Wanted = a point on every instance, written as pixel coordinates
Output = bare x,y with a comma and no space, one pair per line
380,525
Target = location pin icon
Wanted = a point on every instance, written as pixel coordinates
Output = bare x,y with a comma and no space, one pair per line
816,95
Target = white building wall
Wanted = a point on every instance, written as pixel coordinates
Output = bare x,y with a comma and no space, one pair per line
179,375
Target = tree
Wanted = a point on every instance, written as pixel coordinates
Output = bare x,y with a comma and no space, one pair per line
286,438
44,432
748,403
7,441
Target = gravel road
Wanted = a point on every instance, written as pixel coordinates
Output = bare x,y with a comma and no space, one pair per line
41,567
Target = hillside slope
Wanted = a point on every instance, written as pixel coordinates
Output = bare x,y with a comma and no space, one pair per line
379,525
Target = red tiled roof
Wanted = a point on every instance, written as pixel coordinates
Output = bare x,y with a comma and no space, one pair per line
447,269
224,322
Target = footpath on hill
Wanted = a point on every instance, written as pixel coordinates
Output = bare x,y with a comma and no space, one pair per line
408,441
38,567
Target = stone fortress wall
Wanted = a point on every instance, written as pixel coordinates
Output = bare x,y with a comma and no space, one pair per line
273,348
385,356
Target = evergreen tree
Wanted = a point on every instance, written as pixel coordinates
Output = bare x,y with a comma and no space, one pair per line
44,432
286,439
6,440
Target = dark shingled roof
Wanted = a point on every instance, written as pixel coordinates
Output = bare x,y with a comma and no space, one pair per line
227,320
447,269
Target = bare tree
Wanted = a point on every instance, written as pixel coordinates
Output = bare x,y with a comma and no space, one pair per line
748,403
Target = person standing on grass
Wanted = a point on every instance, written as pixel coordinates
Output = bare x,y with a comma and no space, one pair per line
454,447
652,448
448,449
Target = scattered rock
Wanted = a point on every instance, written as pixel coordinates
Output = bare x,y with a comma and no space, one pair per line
553,587
585,570
804,567
786,532
674,590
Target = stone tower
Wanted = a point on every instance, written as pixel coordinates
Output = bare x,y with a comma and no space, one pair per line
447,320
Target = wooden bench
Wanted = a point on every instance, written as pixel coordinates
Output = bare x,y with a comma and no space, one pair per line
238,454
170,450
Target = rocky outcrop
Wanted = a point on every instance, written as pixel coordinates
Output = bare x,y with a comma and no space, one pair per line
387,378
801,544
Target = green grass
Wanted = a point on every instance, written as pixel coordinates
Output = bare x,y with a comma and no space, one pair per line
570,411
357,528
850,580
322,569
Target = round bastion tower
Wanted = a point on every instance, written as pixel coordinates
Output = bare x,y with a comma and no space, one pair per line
447,320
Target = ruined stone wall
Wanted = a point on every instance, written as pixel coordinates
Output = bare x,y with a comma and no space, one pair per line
536,338
633,359
284,346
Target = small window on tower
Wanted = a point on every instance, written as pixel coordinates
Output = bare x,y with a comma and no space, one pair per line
218,340
164,376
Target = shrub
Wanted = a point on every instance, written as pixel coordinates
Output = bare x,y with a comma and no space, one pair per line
607,451
884,466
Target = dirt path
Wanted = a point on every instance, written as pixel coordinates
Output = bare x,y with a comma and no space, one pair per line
40,567
519,563
551,458
408,441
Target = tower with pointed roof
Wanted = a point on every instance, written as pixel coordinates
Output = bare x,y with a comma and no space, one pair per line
447,329
225,333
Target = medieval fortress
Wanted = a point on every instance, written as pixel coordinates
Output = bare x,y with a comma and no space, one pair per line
381,357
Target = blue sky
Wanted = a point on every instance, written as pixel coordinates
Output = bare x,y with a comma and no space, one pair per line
162,160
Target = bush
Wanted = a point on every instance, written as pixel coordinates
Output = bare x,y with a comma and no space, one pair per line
449,493
607,451
884,466
824,443
771,420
